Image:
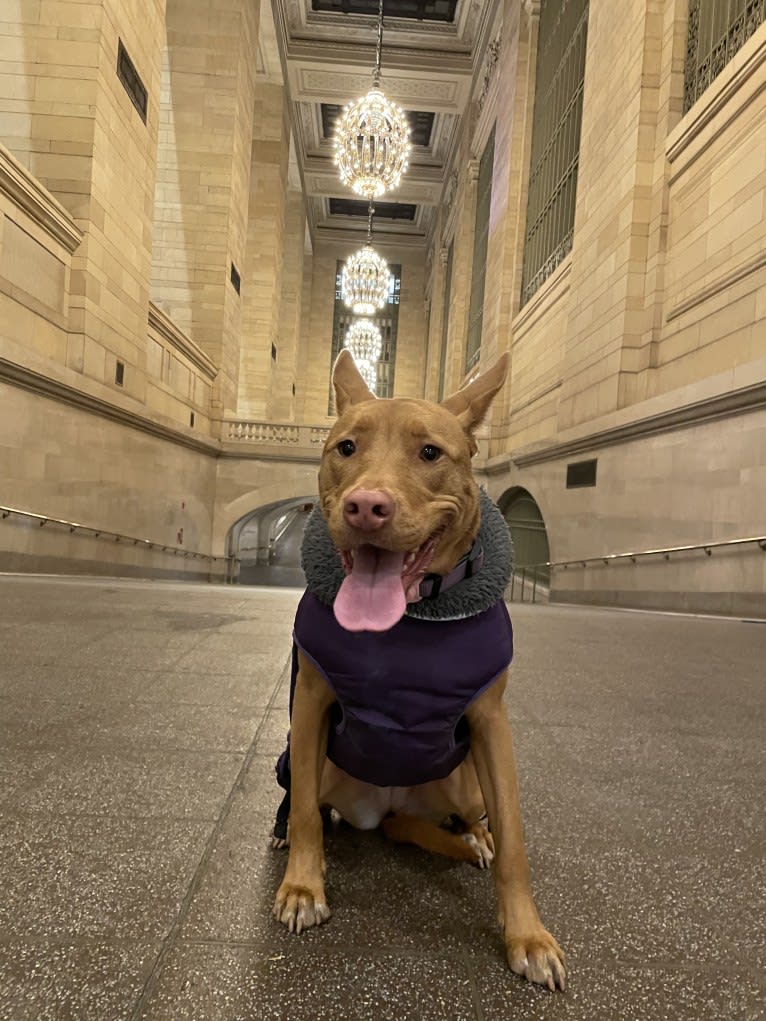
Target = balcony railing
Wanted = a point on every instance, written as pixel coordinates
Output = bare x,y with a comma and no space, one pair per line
530,579
308,437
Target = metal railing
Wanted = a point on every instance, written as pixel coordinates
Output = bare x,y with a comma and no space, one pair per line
540,573
105,533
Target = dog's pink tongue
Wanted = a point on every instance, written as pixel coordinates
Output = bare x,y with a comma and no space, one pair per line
371,598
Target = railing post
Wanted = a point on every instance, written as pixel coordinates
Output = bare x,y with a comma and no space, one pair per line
513,582
523,582
534,587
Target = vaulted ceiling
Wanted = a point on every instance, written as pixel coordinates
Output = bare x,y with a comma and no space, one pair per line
325,50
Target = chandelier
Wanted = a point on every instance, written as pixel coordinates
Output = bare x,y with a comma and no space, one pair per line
372,137
365,278
364,341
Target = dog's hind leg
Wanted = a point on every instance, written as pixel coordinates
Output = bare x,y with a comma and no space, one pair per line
467,845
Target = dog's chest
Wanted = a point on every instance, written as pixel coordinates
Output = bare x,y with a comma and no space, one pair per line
402,693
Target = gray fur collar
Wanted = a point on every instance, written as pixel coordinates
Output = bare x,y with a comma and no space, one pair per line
324,572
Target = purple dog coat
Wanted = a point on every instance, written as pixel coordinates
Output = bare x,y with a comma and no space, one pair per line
401,694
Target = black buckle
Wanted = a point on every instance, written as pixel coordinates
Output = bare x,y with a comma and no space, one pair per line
436,585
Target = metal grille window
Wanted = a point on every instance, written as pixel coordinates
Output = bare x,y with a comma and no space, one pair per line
445,318
480,239
562,40
387,321
717,29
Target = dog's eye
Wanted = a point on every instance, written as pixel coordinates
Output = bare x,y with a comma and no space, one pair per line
430,453
346,448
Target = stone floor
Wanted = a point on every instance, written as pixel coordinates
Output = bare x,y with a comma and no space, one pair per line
138,727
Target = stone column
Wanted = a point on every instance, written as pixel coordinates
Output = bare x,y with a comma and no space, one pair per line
261,284
462,268
204,154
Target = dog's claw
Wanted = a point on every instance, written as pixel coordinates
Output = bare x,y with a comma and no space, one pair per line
539,960
300,910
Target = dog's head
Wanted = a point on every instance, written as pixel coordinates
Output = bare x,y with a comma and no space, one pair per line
397,491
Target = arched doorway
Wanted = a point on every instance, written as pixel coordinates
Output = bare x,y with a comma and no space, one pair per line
528,532
267,542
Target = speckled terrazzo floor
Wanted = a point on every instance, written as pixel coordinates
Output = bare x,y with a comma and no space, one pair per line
138,727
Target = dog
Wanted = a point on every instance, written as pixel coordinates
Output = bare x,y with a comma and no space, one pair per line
397,534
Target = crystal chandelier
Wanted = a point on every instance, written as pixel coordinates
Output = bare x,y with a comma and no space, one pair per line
369,373
372,137
365,278
364,341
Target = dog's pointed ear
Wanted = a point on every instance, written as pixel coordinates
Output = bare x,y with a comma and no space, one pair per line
471,404
349,386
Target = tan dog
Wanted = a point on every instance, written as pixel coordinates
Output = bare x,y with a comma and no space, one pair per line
400,500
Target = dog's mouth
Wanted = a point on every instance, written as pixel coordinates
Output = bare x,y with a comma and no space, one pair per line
379,583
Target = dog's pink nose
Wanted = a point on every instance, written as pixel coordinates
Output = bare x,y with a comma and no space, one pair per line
368,509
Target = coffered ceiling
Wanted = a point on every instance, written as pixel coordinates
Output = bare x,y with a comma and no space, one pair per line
432,54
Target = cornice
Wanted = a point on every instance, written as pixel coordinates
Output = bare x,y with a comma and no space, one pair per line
168,330
736,402
27,379
26,192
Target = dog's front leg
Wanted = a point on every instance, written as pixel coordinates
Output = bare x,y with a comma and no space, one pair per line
300,901
530,948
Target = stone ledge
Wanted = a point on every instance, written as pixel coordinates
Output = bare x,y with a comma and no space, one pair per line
167,329
736,402
27,379
26,192
745,64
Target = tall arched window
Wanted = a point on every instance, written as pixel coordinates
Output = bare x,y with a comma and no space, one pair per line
387,321
717,29
560,75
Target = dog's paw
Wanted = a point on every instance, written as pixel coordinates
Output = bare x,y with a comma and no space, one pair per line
300,908
279,843
480,841
538,958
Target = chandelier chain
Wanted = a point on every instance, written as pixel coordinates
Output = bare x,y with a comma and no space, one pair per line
378,47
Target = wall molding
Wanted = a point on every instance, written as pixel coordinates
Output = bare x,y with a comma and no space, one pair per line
745,65
174,335
720,284
26,192
26,379
736,402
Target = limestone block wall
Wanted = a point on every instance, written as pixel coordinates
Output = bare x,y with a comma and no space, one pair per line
86,467
70,121
646,348
678,486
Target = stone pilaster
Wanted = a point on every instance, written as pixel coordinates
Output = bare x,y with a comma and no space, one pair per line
203,176
280,406
261,344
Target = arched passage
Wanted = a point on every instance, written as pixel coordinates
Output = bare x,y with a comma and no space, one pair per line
267,542
527,527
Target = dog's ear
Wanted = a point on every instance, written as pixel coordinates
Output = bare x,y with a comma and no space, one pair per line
471,404
350,388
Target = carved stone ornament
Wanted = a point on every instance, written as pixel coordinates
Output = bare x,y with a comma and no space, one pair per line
451,190
490,63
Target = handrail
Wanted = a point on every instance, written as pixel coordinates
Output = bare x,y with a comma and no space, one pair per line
536,570
607,558
75,526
